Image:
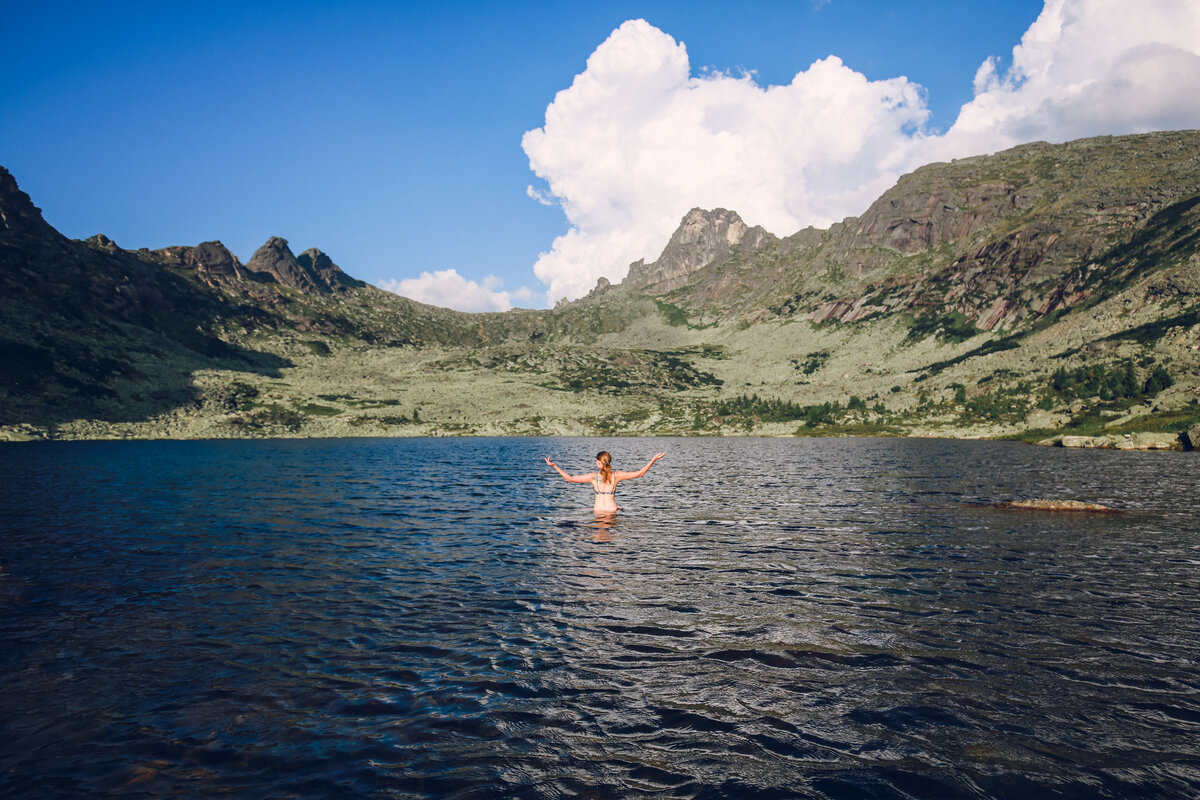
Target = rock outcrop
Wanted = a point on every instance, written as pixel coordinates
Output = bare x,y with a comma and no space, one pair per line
703,239
999,239
1126,441
324,272
18,214
213,262
1191,437
312,272
276,260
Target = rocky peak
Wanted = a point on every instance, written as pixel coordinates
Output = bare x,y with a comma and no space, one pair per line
212,261
326,273
18,214
312,271
276,260
102,243
703,238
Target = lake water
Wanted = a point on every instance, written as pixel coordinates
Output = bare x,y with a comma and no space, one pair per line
829,618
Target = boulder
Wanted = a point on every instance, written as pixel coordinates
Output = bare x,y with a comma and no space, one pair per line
1191,437
1060,505
1086,441
1128,441
1148,441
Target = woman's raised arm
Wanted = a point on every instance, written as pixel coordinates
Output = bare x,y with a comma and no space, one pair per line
570,478
624,476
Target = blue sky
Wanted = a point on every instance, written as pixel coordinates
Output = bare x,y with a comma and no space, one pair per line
390,135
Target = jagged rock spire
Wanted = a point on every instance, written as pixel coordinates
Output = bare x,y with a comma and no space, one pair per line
702,238
312,271
18,214
325,272
276,259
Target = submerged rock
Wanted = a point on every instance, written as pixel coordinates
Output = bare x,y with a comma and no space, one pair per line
1059,505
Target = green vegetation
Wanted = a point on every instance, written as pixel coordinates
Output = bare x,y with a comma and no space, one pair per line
1119,382
1152,332
269,416
751,410
316,410
318,347
993,346
878,427
812,362
601,377
952,327
238,396
387,419
682,374
674,315
766,410
634,370
1004,405
822,414
1097,424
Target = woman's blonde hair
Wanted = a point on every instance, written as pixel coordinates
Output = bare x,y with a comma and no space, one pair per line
605,466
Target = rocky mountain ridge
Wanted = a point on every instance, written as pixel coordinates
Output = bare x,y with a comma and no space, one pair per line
998,239
1047,288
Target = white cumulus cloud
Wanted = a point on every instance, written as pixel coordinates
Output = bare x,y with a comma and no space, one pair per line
447,289
637,140
1087,68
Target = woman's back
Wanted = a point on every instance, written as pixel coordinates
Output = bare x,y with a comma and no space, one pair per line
604,480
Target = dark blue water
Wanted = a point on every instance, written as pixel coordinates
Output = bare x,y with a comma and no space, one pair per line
445,618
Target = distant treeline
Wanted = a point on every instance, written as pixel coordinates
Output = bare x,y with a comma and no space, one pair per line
769,410
1116,383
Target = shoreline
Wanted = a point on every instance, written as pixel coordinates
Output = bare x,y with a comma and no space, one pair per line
1144,441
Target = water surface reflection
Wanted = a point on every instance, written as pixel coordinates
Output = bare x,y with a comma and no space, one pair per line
416,618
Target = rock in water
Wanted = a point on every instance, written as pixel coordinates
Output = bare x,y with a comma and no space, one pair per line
1191,437
1060,505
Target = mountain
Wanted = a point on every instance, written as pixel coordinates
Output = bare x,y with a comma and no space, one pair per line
703,239
999,239
1043,290
312,271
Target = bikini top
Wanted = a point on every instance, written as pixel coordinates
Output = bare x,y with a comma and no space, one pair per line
597,491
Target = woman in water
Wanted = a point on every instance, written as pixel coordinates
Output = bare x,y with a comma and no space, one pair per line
604,480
